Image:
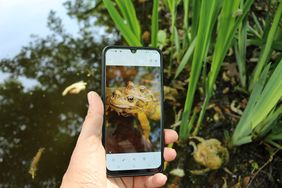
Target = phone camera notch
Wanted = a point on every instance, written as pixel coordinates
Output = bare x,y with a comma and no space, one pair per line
133,51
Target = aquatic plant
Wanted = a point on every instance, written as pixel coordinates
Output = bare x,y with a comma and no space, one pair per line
127,23
224,19
262,111
266,49
208,11
155,24
228,21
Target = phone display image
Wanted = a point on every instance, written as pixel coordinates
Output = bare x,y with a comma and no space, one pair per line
133,109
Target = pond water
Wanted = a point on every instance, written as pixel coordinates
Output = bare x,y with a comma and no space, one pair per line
33,112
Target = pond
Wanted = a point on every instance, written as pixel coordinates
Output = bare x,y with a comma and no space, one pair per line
34,114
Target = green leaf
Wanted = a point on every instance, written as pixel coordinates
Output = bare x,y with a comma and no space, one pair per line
176,42
155,23
240,49
208,13
185,58
264,57
243,128
260,112
122,24
185,23
228,23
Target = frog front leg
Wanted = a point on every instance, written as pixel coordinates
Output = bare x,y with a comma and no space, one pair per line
200,172
145,125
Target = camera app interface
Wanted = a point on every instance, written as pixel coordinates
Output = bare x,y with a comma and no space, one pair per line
133,109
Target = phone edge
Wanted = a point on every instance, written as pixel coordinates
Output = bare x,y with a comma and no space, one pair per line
103,84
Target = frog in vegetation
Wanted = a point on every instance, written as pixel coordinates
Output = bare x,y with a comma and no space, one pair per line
209,153
137,101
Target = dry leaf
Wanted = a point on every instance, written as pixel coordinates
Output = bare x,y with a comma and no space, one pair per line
34,164
75,88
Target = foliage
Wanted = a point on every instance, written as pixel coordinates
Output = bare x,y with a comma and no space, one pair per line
208,11
128,23
228,22
262,110
155,23
37,115
266,50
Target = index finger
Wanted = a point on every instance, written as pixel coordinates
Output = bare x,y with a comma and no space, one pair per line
170,136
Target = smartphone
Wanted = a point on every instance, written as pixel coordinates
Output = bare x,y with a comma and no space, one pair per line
132,91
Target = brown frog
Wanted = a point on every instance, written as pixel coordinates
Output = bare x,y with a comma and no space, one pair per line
137,101
209,153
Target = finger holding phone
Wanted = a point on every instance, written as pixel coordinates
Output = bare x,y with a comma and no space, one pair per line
132,152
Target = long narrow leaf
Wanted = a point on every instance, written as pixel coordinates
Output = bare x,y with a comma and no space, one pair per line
185,58
243,129
267,48
133,18
208,9
155,24
240,50
271,95
176,42
196,7
259,115
226,31
123,27
276,45
185,23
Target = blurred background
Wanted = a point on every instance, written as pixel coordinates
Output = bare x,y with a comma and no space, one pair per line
45,47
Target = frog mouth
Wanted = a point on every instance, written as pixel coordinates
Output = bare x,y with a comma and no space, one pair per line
123,109
122,106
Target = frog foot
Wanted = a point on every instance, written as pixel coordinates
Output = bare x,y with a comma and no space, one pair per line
200,172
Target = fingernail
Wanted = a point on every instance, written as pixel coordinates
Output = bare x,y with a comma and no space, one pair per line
164,177
90,97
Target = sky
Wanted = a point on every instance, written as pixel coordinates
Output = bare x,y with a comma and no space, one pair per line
21,18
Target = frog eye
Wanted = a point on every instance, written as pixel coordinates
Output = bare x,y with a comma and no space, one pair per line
130,98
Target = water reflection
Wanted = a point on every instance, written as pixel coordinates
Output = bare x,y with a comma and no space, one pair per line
33,112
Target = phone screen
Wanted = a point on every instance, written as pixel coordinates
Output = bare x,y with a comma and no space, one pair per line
133,109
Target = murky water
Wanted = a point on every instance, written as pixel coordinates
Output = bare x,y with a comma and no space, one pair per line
33,112
37,117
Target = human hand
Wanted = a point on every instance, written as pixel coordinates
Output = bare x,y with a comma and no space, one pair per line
87,167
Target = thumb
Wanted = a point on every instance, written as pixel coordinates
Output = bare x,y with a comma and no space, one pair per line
93,122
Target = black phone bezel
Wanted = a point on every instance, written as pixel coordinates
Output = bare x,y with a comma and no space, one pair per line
143,172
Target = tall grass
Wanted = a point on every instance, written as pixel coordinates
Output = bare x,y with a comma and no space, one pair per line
262,109
266,50
228,22
155,24
240,46
208,12
186,24
127,23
